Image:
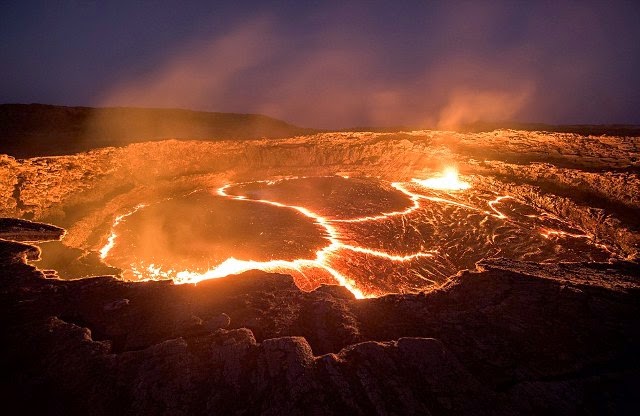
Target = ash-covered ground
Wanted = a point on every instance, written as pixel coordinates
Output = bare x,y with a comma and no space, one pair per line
518,294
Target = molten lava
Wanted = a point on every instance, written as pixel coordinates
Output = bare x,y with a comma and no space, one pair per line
430,232
111,240
448,181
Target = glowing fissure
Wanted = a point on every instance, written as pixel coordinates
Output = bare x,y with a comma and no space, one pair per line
548,233
234,266
498,214
398,186
111,240
230,266
238,266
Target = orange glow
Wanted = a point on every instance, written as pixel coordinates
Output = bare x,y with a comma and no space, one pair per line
448,181
321,265
548,233
396,185
235,266
111,240
492,204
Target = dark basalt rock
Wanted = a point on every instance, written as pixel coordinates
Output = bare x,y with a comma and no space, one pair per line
28,130
509,338
23,230
14,252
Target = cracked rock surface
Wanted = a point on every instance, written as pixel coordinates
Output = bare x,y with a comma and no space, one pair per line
510,337
593,180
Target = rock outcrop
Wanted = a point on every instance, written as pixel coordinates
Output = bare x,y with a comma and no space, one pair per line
507,338
23,230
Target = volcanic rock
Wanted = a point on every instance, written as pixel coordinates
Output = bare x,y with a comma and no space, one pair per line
217,322
116,304
510,337
22,230
504,337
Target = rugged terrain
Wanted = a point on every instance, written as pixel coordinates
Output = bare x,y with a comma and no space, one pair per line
508,338
505,337
28,130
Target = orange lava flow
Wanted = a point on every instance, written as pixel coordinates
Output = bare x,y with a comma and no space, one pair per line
234,266
111,240
448,182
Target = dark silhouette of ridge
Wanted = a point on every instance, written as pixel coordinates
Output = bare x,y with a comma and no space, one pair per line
30,130
630,130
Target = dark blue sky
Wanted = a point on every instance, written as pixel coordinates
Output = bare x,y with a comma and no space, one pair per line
331,64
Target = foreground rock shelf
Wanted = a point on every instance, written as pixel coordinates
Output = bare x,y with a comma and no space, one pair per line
510,337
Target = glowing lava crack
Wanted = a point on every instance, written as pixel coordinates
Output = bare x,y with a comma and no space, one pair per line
111,240
331,262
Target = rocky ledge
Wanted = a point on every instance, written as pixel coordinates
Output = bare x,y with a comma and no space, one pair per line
507,338
23,230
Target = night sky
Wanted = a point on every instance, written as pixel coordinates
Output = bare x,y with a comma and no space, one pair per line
331,64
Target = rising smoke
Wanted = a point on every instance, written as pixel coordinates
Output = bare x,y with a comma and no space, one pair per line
337,78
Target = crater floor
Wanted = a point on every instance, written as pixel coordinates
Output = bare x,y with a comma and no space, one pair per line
372,236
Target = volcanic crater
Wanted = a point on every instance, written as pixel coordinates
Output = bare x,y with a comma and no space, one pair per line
446,233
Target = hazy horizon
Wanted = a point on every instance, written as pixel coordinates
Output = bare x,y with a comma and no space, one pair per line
332,65
478,123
